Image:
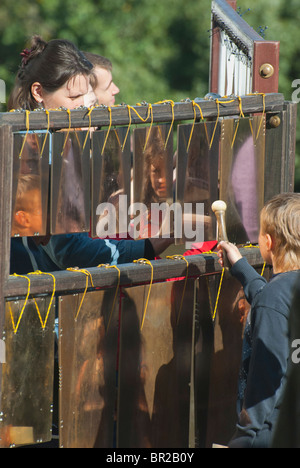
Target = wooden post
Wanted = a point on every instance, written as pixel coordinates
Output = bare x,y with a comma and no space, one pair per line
6,164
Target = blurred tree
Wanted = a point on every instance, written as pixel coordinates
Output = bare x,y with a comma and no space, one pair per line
152,60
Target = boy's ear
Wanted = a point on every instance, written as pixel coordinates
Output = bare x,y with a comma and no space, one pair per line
270,242
37,92
21,219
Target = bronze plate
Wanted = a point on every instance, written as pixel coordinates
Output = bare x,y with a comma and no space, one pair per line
27,375
155,366
30,184
70,183
88,364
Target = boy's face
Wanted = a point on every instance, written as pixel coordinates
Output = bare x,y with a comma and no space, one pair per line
106,89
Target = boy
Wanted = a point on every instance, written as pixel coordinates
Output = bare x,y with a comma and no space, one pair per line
266,345
104,88
27,218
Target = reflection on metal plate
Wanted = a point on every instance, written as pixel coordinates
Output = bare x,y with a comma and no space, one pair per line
197,178
70,183
225,362
111,174
88,358
30,184
155,366
153,182
27,375
242,176
204,345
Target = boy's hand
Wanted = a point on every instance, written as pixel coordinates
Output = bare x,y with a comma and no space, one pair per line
232,252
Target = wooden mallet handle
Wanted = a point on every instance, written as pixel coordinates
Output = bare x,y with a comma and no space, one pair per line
219,207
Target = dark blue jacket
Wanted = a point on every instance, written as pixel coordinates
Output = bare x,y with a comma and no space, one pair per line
73,250
265,354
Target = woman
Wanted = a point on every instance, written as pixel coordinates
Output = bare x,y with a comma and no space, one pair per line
52,75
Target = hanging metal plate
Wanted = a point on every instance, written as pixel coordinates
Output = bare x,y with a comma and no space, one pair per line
197,180
27,375
152,182
30,184
88,363
229,324
156,348
242,176
70,183
111,182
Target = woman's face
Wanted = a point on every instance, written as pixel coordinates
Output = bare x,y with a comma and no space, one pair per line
70,95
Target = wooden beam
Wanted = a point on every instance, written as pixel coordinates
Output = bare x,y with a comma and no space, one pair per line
6,162
100,116
131,275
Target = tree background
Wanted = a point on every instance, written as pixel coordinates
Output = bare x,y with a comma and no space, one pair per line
159,48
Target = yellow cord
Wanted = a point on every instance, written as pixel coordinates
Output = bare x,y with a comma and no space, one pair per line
147,262
238,124
90,124
88,276
68,132
193,126
45,139
149,130
168,101
218,295
128,129
15,327
216,125
44,323
192,131
27,131
108,131
255,138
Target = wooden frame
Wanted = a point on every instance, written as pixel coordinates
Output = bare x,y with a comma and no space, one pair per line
259,51
68,283
9,122
100,115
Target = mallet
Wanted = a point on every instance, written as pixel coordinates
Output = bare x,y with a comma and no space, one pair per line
219,207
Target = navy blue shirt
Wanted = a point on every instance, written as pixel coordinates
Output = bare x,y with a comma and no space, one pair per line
73,250
265,354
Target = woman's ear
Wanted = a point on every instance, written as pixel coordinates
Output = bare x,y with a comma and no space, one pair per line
37,92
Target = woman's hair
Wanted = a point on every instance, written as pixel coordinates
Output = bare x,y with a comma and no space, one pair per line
52,64
280,218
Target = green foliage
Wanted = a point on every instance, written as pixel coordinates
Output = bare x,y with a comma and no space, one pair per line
159,48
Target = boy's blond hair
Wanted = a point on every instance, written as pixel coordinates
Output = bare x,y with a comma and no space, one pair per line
26,184
280,218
